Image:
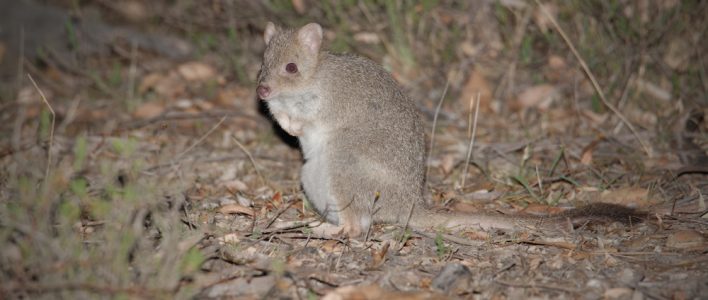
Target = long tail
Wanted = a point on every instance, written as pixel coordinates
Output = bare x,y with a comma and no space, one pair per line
598,212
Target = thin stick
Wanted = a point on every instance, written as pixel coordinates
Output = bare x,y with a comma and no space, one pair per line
21,60
250,157
51,130
132,71
405,227
469,150
435,124
469,118
592,78
201,139
540,184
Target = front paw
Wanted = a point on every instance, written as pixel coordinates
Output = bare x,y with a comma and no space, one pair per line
295,128
292,127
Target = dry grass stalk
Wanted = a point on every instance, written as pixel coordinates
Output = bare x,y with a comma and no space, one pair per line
51,130
469,149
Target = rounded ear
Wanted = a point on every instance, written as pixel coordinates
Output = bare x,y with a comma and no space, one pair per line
310,36
269,32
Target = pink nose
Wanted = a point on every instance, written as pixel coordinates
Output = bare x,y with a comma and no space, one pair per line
263,91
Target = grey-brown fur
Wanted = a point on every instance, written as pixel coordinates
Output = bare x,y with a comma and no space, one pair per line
361,136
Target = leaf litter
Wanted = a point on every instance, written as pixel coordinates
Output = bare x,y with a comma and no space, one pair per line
192,191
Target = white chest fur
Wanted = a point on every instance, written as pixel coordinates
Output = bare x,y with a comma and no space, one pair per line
315,172
295,112
301,106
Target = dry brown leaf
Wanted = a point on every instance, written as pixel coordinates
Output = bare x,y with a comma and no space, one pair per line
29,95
446,18
501,168
678,56
476,235
371,292
611,261
149,81
226,97
204,105
556,62
534,263
679,295
556,262
56,75
637,243
299,6
149,110
586,154
476,83
132,10
593,117
190,110
618,293
559,120
464,207
425,282
331,246
581,255
379,256
653,90
540,96
447,162
685,239
229,238
235,185
239,96
543,23
367,38
277,198
167,85
468,48
482,195
355,292
641,117
197,71
628,196
326,229
235,209
557,70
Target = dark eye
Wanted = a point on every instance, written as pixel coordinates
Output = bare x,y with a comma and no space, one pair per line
291,68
